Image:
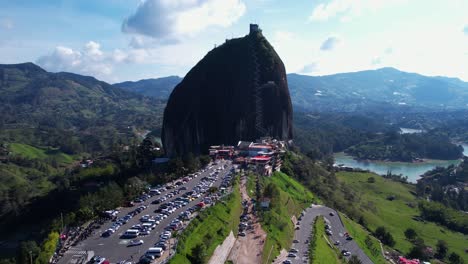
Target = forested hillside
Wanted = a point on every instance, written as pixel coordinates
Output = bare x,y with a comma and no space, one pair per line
52,121
159,88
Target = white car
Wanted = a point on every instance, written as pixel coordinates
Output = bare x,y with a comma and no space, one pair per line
165,236
135,243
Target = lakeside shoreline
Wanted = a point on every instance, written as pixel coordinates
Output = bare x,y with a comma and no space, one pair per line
413,170
419,161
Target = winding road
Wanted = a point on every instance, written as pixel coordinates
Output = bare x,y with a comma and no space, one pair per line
303,234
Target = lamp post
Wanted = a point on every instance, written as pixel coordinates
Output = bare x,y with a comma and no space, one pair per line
30,257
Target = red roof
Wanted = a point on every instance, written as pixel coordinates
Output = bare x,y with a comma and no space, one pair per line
402,260
260,147
261,158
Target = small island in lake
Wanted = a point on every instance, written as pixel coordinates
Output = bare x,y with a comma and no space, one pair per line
416,147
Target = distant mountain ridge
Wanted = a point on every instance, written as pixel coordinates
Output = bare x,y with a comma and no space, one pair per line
385,89
35,103
378,89
159,88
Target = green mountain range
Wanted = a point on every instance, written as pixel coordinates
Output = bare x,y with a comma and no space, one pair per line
68,110
385,89
159,88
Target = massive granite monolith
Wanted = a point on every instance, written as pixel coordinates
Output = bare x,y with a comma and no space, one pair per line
238,91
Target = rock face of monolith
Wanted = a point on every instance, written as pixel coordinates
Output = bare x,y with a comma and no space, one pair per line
238,91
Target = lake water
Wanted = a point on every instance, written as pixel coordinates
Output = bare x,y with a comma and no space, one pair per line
412,170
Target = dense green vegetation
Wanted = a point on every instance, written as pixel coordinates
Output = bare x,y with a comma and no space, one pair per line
368,243
209,229
406,147
48,248
371,136
439,213
320,249
287,198
50,121
320,134
371,201
446,186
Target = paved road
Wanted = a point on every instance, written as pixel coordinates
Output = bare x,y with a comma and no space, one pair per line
337,227
115,249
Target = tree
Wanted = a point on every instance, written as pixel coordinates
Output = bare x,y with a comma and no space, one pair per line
271,191
410,233
145,155
371,180
384,236
454,258
204,160
48,248
191,162
354,260
176,166
420,250
198,254
26,251
442,249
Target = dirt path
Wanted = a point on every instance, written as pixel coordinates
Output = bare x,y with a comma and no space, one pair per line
222,251
281,257
249,249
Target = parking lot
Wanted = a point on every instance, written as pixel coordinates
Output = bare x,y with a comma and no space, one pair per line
174,202
338,233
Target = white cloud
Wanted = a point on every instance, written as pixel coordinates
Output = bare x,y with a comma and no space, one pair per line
309,68
330,43
169,20
90,60
346,10
93,49
105,65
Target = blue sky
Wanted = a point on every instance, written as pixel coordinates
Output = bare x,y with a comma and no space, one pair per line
118,40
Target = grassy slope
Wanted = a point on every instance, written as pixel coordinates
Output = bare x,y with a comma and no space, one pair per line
322,253
359,234
396,215
31,152
276,222
215,222
13,176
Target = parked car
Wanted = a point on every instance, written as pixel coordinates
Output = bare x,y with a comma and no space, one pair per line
97,260
135,243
